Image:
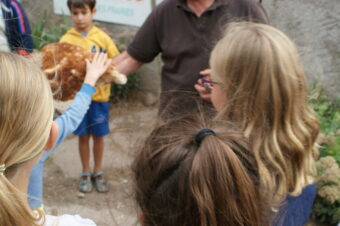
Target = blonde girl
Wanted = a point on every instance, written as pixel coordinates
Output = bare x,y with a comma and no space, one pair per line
26,129
26,111
189,172
259,85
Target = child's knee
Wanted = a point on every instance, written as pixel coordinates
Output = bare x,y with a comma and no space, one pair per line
84,138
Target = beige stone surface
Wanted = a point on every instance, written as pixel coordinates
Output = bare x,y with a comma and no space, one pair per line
130,123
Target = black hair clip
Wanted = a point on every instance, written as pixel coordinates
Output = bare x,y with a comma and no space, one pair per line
201,134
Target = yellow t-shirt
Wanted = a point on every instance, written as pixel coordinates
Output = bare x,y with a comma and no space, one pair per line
98,39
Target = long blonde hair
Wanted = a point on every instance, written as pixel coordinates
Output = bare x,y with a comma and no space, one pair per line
26,111
259,69
215,183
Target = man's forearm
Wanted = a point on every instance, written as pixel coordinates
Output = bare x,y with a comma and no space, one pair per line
126,64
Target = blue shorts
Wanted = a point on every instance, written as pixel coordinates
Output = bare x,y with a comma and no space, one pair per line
96,120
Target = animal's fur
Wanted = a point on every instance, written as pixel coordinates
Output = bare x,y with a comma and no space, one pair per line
65,67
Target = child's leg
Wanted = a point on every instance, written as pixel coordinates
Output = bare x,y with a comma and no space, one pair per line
83,132
84,152
99,129
97,176
98,151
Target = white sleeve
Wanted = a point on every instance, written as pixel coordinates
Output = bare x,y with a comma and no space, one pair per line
67,220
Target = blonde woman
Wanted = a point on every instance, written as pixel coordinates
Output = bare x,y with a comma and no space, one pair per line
258,84
26,130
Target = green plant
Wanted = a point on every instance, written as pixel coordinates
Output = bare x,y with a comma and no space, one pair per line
119,92
328,112
326,208
44,32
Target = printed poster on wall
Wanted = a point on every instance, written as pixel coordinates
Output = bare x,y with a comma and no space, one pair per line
128,12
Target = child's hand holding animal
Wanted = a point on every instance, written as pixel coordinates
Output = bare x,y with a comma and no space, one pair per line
96,68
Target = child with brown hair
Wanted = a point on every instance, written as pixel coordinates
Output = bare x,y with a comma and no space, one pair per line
95,124
259,85
188,172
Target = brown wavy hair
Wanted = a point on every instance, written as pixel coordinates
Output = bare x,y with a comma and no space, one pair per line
259,69
180,183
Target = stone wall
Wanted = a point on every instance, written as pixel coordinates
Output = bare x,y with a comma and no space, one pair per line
314,25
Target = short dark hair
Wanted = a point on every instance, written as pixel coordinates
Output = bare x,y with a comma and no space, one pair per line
81,3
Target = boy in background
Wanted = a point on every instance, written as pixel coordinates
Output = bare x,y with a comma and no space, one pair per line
96,121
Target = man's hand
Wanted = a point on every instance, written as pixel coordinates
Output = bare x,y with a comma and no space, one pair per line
203,90
96,68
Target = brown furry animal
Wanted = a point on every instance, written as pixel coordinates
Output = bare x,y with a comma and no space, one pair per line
65,67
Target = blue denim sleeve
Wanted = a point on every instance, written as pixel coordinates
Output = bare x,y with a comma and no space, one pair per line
67,123
71,118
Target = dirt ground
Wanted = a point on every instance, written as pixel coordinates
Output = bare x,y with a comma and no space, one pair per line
130,121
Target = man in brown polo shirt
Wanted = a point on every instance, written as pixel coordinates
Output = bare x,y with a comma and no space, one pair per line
184,32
